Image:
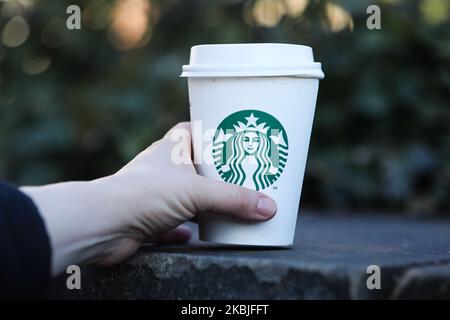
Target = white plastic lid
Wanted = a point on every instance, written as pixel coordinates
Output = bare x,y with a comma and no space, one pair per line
252,60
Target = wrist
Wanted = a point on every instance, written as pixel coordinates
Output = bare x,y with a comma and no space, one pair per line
80,219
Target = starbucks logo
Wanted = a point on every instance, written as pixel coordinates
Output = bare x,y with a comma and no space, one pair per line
250,148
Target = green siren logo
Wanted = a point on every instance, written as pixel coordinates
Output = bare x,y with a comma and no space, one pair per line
250,148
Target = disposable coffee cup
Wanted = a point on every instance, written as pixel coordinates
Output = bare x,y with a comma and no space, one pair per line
252,109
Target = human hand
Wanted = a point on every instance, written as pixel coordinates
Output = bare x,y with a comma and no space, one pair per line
104,221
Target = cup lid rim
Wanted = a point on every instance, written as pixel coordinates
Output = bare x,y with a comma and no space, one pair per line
252,59
311,70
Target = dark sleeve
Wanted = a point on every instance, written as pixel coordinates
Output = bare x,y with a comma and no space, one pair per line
25,254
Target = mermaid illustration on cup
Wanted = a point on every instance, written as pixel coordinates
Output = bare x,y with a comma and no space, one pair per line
247,156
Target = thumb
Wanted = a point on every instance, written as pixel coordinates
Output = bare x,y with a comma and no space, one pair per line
217,197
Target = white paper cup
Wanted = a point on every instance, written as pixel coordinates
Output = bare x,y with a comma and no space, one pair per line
252,108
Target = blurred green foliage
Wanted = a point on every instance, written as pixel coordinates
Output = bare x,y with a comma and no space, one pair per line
78,104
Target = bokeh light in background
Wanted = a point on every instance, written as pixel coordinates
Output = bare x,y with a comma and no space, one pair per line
130,23
34,65
53,33
338,18
15,32
435,11
79,104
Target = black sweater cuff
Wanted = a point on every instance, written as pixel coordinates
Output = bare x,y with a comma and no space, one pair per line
25,252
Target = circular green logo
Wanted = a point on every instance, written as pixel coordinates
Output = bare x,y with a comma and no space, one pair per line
250,148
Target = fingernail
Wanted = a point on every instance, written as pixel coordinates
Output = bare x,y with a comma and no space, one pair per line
266,207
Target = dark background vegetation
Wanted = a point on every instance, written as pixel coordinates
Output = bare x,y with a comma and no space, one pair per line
79,104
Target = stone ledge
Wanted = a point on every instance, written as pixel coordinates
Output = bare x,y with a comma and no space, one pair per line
430,281
328,261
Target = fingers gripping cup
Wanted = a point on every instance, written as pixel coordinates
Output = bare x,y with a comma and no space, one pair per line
252,108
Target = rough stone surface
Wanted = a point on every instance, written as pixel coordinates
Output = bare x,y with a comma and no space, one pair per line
430,281
328,261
